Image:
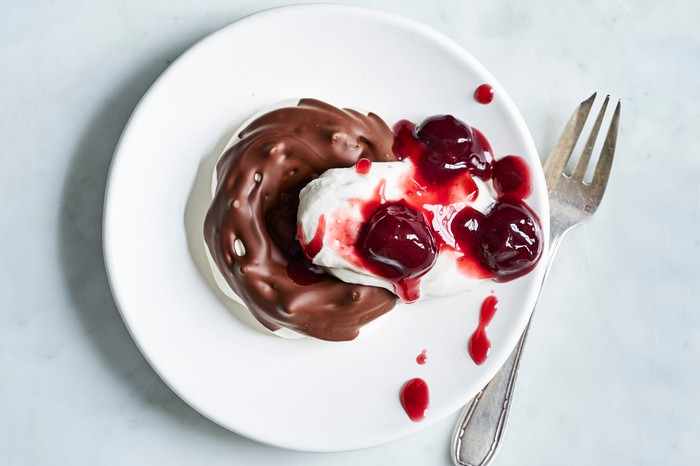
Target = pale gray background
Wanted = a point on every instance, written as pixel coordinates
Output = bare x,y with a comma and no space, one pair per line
611,373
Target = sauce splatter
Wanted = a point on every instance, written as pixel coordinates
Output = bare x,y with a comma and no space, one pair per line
415,399
422,357
484,94
314,246
363,166
479,344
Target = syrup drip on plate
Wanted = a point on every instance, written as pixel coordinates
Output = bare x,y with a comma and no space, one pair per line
479,343
415,399
484,94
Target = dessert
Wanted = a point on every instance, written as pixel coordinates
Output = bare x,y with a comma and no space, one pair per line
322,217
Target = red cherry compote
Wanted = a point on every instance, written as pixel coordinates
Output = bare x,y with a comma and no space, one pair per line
397,243
506,240
443,148
511,177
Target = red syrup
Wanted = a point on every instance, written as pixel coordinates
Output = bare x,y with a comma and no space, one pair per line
363,166
302,272
314,246
484,94
422,358
415,399
479,345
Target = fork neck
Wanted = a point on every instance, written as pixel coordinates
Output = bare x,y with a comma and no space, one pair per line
557,230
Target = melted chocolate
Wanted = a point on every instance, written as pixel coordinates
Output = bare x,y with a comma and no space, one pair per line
277,153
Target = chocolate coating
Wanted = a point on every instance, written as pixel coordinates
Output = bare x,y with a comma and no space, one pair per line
276,154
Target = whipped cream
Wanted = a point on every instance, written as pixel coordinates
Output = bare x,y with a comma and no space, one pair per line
338,196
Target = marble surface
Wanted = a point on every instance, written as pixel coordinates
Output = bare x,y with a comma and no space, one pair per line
611,371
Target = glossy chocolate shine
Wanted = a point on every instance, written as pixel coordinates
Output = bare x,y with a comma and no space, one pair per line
277,153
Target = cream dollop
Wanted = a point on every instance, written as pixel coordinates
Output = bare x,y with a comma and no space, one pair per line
338,197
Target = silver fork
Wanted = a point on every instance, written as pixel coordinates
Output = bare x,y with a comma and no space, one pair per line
480,427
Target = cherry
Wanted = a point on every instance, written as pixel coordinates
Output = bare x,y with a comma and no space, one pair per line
511,177
397,242
406,146
507,241
453,147
510,240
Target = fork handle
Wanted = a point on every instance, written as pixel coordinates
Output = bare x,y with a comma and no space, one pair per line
482,422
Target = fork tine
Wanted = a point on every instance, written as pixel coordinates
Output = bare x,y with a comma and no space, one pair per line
585,158
561,152
602,169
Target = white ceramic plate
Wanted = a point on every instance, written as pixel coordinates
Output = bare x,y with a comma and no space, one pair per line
302,394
